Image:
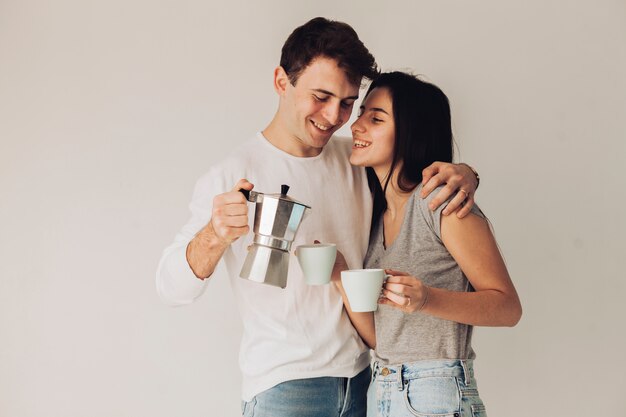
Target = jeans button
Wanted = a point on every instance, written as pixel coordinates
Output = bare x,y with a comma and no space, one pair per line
385,372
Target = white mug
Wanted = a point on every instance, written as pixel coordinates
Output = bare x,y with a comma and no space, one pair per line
363,288
316,262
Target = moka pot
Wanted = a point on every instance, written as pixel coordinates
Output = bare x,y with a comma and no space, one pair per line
277,218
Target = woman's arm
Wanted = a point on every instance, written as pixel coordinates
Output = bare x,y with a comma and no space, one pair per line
362,322
471,243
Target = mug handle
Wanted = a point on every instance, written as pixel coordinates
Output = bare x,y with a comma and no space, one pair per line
384,280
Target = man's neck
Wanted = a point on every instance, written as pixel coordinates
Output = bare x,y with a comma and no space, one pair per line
278,136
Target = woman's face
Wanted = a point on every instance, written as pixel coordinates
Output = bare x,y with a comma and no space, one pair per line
373,133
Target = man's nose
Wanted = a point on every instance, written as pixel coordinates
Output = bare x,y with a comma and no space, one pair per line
332,113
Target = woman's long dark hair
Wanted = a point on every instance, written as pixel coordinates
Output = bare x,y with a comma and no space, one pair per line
423,133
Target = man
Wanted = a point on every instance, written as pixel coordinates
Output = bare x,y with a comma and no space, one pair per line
300,355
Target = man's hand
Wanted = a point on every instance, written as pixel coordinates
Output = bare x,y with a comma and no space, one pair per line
458,178
229,217
229,221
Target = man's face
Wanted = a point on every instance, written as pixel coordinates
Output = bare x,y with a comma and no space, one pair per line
319,104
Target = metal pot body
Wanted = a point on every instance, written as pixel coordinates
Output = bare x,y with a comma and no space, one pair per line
278,219
276,222
266,265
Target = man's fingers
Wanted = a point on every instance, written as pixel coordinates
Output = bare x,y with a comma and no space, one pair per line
243,183
221,222
233,233
236,221
455,203
433,182
230,233
441,197
234,210
231,197
234,196
429,172
467,207
230,212
230,204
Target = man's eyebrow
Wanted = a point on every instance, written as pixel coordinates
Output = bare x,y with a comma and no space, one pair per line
375,109
328,93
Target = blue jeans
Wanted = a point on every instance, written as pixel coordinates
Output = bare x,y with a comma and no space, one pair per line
442,388
313,397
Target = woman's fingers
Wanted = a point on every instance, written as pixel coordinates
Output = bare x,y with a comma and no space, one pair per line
394,272
397,288
399,300
401,279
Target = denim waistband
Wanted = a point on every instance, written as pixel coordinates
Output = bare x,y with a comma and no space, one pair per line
461,368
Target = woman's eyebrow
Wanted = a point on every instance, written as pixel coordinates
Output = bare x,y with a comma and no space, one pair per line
375,109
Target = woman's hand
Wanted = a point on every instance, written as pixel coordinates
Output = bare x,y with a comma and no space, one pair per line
404,292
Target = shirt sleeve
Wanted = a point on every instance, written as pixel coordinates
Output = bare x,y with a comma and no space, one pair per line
175,281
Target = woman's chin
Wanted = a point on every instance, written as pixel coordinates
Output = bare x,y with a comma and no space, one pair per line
355,161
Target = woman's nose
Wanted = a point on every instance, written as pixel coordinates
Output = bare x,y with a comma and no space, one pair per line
356,126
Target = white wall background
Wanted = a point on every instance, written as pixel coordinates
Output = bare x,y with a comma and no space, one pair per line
110,110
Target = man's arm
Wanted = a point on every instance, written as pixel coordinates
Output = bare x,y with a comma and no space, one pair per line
458,178
193,257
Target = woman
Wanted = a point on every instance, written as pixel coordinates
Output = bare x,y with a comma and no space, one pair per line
447,273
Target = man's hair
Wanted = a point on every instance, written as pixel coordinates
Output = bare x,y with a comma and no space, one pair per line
320,37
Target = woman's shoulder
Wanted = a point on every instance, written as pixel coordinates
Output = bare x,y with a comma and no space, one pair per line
422,202
433,217
420,210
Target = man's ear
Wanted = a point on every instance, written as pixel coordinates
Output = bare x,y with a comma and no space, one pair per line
281,80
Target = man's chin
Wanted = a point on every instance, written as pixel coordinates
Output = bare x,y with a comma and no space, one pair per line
320,138
319,143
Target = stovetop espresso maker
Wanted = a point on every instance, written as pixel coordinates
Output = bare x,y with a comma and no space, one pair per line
277,218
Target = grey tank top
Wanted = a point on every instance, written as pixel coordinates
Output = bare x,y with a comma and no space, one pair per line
419,251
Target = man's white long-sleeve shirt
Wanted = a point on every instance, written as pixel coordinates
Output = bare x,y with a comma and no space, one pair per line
301,331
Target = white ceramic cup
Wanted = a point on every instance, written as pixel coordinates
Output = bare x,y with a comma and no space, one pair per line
363,288
316,262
